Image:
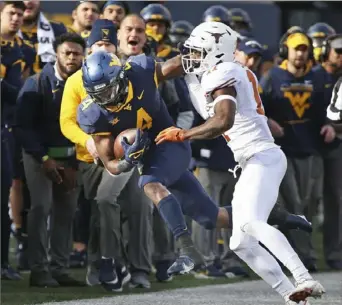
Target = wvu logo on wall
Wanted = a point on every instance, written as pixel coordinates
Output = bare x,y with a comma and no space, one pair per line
299,100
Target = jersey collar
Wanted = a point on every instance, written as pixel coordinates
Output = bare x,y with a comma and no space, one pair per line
308,66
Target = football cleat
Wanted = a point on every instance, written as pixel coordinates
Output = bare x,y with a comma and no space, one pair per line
123,274
210,272
183,265
140,280
108,276
93,274
298,222
161,271
308,288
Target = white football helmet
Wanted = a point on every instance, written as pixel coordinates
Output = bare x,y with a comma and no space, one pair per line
208,44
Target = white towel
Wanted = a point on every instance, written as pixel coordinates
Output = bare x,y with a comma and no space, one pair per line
45,37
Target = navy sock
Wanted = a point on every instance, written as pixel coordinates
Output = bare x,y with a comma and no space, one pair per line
170,210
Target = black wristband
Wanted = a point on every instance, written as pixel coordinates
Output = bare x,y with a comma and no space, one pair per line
124,166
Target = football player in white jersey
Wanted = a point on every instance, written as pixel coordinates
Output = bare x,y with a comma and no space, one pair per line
228,99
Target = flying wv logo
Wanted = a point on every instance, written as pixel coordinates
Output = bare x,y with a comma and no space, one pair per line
298,102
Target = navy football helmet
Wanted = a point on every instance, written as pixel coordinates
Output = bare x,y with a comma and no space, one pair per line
217,13
180,31
156,12
240,20
104,79
320,31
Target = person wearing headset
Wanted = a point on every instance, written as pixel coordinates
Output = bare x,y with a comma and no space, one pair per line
318,32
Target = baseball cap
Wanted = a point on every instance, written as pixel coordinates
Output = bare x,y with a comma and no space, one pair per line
297,39
336,43
105,30
250,46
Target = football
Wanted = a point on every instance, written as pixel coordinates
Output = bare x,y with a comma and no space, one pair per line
130,135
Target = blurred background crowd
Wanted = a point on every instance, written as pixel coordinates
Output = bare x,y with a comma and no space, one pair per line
56,202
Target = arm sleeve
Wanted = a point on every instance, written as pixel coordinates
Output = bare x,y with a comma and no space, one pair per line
72,97
334,110
28,113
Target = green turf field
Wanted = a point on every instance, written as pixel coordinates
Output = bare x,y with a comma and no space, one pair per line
18,293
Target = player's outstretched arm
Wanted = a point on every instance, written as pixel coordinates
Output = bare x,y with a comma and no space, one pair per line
222,120
104,146
169,69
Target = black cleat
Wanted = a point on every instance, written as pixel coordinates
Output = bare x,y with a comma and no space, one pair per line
298,222
108,276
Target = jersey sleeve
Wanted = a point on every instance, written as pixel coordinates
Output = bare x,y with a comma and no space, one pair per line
91,119
220,76
143,64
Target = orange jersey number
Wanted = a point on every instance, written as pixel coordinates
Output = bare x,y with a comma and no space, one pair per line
257,98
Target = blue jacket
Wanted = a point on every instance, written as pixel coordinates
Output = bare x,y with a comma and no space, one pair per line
37,113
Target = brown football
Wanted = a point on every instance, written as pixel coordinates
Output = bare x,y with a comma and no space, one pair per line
130,135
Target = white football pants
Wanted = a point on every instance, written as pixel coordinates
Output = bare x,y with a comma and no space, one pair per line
255,195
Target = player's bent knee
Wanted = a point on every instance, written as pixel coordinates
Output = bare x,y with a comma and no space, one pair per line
241,241
156,191
251,226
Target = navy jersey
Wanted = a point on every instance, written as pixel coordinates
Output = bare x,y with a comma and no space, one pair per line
16,57
143,107
31,36
291,102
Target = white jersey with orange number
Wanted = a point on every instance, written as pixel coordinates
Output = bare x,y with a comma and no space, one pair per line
250,133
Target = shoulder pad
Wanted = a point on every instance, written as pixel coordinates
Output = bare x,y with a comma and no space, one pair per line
221,75
86,104
143,61
88,114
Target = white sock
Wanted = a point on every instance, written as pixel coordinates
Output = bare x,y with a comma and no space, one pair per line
265,265
277,243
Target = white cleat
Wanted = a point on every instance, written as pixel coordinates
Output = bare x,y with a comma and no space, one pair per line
309,288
